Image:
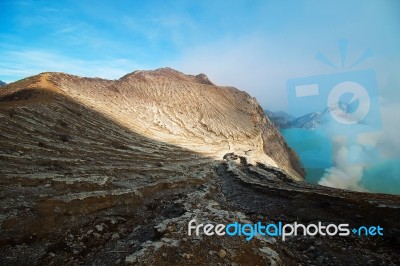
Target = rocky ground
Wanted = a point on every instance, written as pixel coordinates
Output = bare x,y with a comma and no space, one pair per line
99,172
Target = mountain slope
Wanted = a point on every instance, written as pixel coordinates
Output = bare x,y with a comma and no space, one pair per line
76,151
103,172
187,111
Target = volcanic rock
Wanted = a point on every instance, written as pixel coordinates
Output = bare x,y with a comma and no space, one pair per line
98,171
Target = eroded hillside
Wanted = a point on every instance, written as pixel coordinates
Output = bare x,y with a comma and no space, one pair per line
187,111
107,172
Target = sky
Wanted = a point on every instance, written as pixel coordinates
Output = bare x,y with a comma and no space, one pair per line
255,46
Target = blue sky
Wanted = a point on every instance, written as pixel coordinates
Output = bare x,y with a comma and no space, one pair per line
253,45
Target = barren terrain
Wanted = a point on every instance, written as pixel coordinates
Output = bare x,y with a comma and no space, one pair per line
101,172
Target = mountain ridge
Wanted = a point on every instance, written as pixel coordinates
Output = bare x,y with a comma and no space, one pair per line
187,115
105,172
170,73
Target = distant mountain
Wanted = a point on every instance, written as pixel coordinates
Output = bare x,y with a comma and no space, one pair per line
280,119
308,121
2,83
279,114
311,120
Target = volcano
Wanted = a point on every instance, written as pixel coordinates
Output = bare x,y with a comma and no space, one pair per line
99,171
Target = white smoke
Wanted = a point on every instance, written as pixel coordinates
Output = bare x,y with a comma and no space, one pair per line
347,175
344,175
